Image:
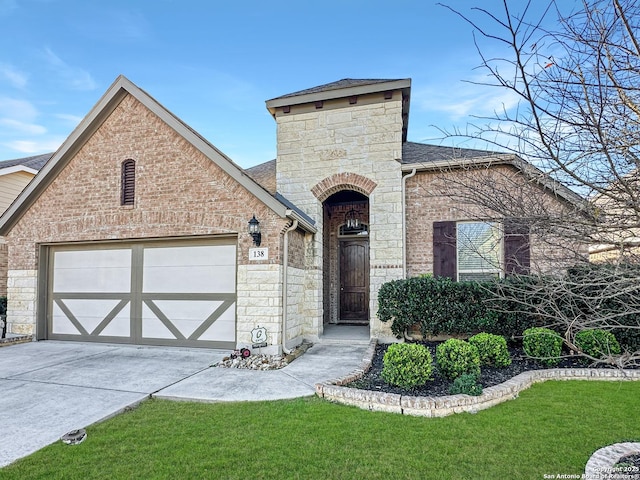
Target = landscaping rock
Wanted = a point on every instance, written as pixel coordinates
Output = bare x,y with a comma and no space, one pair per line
264,362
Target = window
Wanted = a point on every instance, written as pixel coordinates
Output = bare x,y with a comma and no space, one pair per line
128,186
479,250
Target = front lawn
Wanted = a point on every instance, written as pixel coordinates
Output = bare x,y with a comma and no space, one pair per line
551,429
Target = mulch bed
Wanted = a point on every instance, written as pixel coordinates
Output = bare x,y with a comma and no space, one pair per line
628,467
440,386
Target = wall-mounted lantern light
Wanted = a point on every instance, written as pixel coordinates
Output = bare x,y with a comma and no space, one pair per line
254,231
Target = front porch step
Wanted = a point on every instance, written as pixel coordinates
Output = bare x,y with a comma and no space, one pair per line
345,334
342,341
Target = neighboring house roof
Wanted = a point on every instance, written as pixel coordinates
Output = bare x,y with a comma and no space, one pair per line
28,164
94,119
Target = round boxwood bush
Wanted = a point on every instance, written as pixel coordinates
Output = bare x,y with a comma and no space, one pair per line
543,344
457,357
492,349
467,384
407,365
597,343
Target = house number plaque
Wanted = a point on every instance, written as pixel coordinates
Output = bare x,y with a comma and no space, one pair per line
258,254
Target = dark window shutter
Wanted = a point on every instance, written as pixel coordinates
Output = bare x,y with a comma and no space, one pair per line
128,193
517,252
444,249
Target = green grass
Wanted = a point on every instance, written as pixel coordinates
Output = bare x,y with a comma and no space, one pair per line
553,428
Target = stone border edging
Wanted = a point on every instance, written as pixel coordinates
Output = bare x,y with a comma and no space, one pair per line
600,465
15,339
335,391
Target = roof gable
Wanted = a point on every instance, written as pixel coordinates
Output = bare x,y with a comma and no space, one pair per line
94,119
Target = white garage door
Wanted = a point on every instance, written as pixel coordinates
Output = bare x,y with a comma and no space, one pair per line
155,293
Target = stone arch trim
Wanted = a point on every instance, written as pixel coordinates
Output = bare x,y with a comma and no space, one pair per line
343,181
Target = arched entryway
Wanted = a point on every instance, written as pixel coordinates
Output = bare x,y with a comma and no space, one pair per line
346,258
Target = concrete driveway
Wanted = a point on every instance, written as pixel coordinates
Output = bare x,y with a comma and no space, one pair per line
50,388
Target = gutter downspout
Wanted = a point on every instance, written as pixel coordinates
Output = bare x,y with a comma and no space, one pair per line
404,222
285,267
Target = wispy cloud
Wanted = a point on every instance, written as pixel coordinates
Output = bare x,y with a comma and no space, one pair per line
76,78
21,131
465,100
22,127
15,77
19,110
29,147
72,119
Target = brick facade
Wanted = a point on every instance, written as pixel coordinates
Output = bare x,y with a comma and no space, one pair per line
179,193
431,197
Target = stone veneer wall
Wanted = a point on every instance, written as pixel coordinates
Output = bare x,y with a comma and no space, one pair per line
179,193
259,303
339,138
21,305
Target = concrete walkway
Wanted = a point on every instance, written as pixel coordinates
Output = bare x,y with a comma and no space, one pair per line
50,388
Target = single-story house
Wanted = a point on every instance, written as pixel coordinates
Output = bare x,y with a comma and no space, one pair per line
138,230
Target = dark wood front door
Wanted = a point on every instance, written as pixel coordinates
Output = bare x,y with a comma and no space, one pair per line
354,281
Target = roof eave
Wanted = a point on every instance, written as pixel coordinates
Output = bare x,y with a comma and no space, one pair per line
302,222
526,168
273,104
89,124
16,169
87,127
458,163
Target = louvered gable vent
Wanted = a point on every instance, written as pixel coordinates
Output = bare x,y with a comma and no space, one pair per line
128,182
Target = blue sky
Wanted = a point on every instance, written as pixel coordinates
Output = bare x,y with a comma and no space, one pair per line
214,64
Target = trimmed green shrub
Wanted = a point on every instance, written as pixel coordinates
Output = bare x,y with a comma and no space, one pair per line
543,344
457,357
407,365
467,384
440,305
597,343
436,304
492,349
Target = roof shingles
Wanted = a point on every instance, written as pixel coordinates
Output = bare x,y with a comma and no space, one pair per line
35,162
340,84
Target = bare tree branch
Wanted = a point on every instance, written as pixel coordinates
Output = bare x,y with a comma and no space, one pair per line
577,78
